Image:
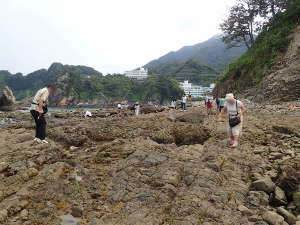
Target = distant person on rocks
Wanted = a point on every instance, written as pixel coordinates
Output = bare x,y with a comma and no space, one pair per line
235,110
38,109
221,104
137,109
173,104
88,114
120,108
209,105
183,102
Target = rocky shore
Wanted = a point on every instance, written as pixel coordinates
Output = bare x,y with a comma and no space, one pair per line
163,167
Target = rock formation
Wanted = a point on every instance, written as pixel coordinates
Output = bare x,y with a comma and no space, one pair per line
7,100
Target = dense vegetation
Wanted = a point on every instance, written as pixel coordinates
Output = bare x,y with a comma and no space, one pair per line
249,70
86,84
26,85
154,88
212,52
189,70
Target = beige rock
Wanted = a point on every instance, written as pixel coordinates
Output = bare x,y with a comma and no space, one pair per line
244,210
289,217
3,215
3,166
273,218
264,184
279,196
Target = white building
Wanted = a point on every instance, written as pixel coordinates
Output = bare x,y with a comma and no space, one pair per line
195,90
138,74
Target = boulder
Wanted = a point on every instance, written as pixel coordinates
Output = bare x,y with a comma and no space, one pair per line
273,218
278,197
7,100
296,198
194,117
265,184
289,217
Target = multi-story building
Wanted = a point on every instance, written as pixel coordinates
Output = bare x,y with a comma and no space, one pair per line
138,74
195,90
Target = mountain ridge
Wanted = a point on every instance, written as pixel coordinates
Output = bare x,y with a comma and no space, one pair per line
212,52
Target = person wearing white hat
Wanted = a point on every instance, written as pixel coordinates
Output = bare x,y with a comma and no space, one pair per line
235,110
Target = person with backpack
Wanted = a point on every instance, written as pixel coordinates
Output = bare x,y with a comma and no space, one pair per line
38,109
235,110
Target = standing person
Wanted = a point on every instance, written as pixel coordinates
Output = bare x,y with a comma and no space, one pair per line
137,109
209,105
235,110
221,103
183,102
218,103
38,109
173,104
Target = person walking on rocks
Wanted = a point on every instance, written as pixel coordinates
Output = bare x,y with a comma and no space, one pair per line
38,109
235,110
183,102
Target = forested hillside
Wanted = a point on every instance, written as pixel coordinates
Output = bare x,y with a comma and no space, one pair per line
84,84
270,69
189,70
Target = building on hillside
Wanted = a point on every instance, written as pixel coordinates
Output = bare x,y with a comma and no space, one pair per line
196,91
138,74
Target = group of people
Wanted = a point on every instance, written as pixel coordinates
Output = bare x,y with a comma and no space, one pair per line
228,105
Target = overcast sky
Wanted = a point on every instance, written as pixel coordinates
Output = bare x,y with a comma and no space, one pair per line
110,35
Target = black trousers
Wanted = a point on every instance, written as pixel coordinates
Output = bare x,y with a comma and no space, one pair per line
40,124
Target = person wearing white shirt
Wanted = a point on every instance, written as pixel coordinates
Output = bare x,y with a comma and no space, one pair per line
235,110
87,114
38,109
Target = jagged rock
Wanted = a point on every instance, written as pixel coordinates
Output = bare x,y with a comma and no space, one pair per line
273,218
7,100
152,109
278,197
296,198
289,217
257,198
266,184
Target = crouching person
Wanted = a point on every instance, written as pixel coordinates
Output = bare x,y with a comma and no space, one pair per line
38,109
235,110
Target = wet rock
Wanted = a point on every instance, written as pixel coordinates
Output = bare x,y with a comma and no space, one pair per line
289,217
273,218
265,184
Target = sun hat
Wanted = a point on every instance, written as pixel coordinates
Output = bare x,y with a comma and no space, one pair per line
229,97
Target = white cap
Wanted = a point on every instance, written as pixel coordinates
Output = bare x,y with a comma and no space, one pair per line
229,97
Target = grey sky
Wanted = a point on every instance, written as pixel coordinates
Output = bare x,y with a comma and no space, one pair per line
109,35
